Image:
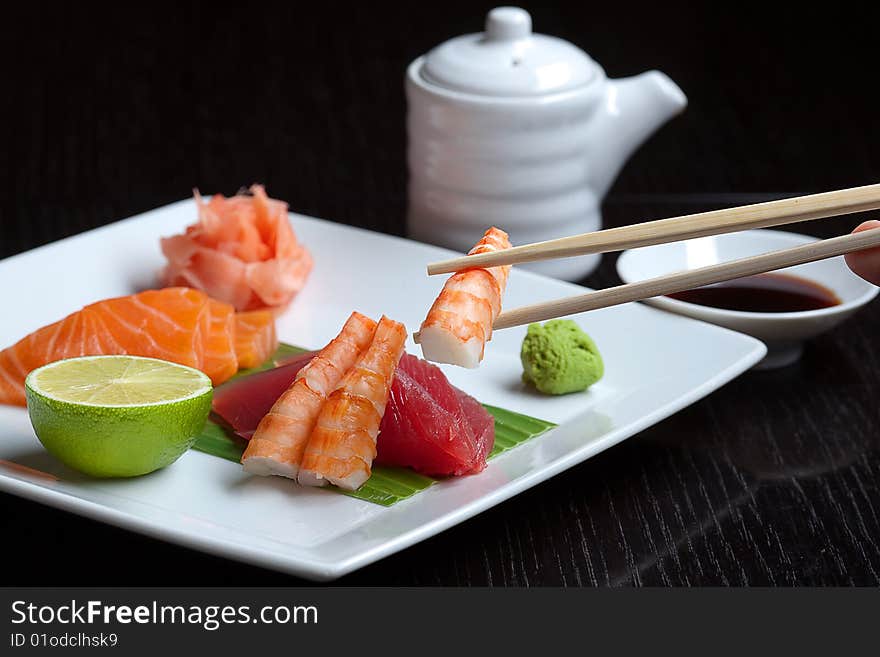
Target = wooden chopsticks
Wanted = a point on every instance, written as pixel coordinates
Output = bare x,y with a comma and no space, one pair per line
716,222
685,280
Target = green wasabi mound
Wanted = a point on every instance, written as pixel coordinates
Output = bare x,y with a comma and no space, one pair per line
559,358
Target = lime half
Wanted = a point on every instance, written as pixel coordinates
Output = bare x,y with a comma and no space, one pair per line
117,416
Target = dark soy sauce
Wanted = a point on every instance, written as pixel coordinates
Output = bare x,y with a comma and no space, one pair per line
763,293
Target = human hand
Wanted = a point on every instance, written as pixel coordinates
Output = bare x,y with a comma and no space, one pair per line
866,263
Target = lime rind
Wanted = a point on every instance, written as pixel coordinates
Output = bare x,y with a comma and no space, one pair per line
117,381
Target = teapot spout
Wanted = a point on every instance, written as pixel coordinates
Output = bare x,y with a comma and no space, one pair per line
634,108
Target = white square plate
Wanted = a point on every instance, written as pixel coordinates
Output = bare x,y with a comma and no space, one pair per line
656,364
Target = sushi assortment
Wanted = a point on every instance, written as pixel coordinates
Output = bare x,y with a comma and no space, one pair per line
319,418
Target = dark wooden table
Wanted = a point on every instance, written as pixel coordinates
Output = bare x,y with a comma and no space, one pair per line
772,480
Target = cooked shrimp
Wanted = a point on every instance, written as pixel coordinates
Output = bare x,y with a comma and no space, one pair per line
342,446
459,323
278,443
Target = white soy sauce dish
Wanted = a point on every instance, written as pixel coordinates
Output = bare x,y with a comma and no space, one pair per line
523,131
784,333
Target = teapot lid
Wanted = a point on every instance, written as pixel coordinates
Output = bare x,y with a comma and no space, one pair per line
508,59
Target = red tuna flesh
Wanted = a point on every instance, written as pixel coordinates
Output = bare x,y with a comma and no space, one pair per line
429,425
242,403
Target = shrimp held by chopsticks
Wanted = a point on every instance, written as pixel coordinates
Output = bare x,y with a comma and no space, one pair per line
278,444
342,445
459,323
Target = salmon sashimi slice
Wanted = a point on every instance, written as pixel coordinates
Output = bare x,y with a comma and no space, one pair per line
219,353
459,323
255,337
280,439
342,446
27,354
242,251
181,325
170,324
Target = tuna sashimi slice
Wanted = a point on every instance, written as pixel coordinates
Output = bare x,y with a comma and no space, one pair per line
242,403
429,425
482,424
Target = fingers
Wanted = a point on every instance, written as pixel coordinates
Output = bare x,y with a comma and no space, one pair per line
866,263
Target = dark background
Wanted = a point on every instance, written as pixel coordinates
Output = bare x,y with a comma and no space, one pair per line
110,110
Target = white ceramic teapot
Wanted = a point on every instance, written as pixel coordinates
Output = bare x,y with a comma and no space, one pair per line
523,131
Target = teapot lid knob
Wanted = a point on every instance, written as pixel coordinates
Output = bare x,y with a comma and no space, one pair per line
508,24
